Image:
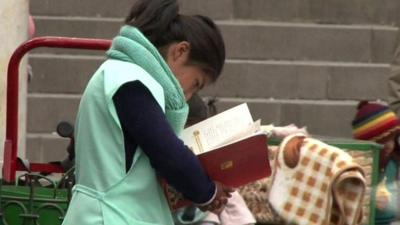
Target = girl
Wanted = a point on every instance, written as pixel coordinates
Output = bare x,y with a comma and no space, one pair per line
131,112
376,122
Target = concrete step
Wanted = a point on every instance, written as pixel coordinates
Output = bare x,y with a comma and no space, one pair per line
332,118
45,148
66,74
261,40
241,78
76,8
75,27
45,111
297,41
302,80
326,11
221,9
328,118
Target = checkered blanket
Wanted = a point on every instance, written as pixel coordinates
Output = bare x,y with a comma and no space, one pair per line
314,183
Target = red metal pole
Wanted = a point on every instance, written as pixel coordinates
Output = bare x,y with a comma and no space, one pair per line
11,142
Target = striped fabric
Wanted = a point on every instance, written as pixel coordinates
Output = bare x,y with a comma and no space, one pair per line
374,121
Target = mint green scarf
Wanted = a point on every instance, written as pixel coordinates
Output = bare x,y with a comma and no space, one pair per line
132,46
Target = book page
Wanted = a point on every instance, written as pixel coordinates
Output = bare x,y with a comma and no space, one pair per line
219,129
247,132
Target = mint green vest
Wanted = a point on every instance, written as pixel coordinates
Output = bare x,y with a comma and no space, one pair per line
105,194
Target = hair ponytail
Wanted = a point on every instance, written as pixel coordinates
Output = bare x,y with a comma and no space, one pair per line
160,22
153,17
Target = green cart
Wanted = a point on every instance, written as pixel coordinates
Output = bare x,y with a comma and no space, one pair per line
32,198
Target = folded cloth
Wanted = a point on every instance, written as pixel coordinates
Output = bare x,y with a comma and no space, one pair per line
283,131
315,183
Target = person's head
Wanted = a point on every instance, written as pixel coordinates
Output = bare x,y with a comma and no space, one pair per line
376,122
192,46
199,109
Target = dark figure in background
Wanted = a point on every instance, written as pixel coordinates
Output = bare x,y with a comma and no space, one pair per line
376,122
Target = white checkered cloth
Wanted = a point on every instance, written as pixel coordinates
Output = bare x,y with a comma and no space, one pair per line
326,187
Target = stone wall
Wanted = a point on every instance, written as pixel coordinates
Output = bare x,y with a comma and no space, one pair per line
306,62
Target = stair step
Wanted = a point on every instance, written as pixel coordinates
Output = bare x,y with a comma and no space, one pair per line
293,61
261,40
241,78
299,41
301,80
326,11
67,74
328,118
322,117
92,8
44,148
221,9
45,111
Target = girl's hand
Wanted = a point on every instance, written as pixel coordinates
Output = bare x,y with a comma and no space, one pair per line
220,200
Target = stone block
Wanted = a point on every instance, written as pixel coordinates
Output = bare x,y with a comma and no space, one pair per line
77,8
221,9
301,80
272,10
343,12
272,79
77,27
326,118
45,111
260,40
276,41
356,11
321,118
358,83
267,111
327,11
43,149
384,43
58,74
218,10
33,149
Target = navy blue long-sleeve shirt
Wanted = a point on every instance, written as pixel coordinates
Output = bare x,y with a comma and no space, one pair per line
144,124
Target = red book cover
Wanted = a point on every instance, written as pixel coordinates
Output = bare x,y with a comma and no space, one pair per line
235,164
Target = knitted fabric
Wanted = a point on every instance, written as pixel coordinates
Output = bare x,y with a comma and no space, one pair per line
132,46
374,121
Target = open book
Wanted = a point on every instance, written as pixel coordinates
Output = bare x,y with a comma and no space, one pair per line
231,148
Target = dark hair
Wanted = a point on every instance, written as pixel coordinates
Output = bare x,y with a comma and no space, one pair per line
161,23
200,109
